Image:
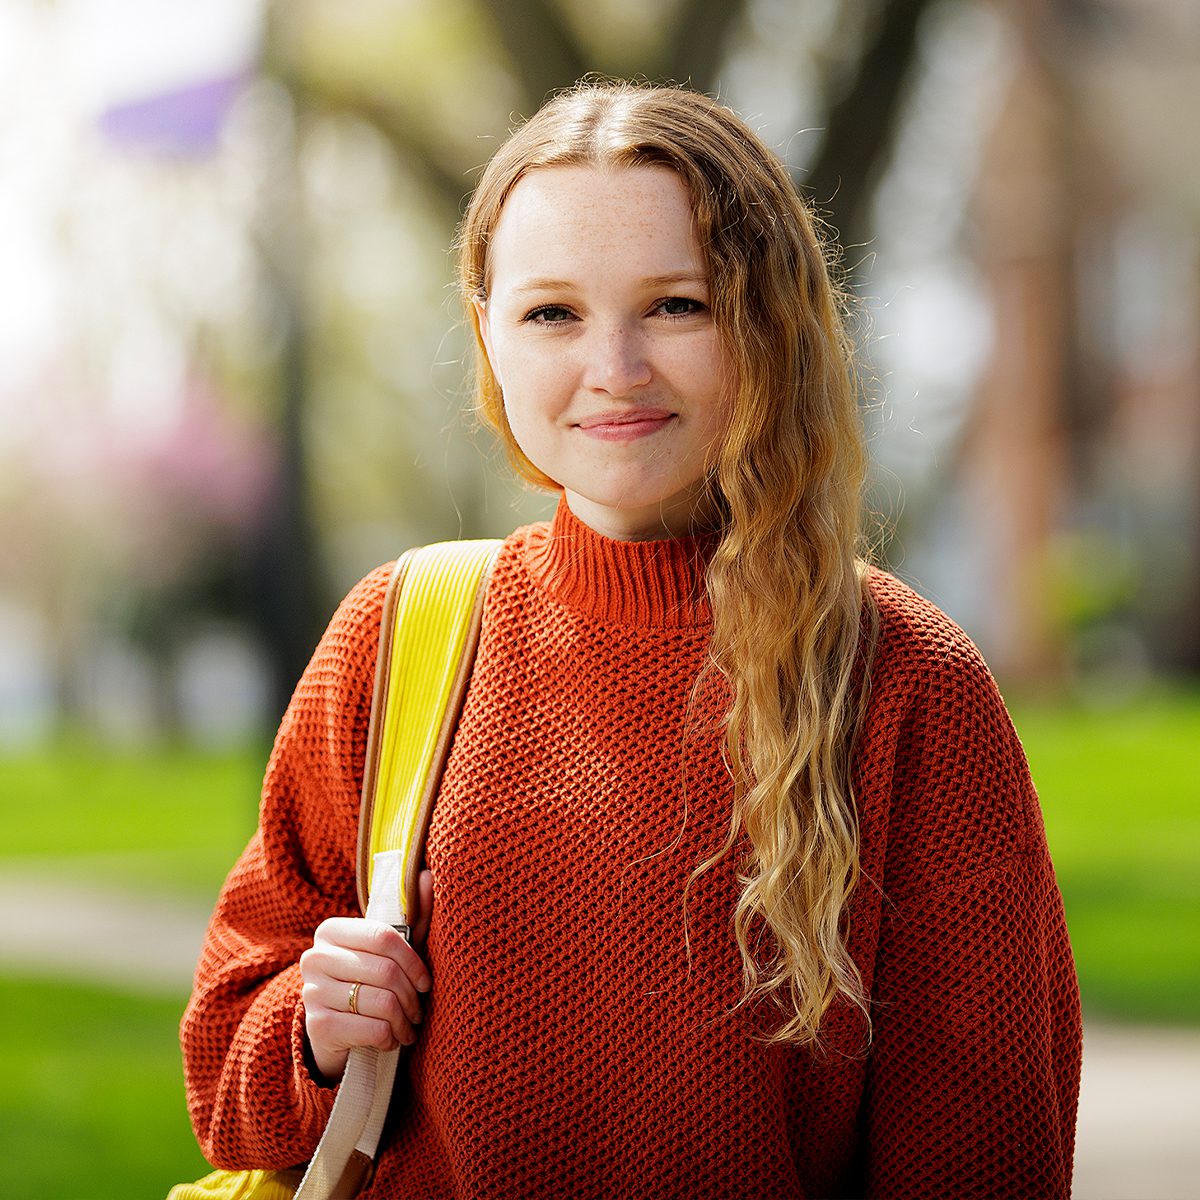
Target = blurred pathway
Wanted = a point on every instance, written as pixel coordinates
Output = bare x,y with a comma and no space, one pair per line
96,934
1139,1113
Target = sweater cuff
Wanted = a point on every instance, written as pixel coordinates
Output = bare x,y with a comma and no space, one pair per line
313,1100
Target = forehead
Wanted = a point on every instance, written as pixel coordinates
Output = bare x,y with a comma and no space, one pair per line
589,216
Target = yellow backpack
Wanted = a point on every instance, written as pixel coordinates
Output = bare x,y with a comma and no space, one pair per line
430,630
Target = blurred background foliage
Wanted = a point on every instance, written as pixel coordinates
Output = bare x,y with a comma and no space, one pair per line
233,378
234,371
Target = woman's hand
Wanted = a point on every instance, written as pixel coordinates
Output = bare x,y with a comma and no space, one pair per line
390,975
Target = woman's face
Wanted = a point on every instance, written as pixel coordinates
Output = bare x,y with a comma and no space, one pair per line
598,329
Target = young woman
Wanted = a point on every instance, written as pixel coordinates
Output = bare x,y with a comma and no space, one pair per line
737,879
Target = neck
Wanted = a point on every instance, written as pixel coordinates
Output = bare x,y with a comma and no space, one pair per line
686,516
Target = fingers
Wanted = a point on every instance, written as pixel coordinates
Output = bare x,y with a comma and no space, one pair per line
379,1018
355,940
351,951
390,976
332,1032
424,910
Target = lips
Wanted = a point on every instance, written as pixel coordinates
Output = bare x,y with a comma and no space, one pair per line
626,422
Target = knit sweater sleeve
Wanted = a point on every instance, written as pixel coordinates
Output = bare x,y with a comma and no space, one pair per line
975,1060
252,1099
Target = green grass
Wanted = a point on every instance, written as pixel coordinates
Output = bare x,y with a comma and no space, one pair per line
170,819
92,1105
1120,790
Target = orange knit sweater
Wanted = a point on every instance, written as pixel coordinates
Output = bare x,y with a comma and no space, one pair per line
570,1047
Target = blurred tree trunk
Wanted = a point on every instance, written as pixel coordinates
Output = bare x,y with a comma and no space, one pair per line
1017,463
288,579
289,583
698,41
862,120
542,50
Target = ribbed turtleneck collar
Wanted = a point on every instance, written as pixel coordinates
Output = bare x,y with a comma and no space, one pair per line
632,583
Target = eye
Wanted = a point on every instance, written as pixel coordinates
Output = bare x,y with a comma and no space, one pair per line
678,306
549,314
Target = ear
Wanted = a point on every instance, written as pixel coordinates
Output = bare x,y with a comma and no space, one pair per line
479,303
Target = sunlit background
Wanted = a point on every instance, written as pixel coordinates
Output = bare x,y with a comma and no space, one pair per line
232,380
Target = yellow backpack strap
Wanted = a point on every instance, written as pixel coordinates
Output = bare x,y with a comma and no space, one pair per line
431,618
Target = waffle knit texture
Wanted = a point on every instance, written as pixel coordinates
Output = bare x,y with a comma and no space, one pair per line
570,1047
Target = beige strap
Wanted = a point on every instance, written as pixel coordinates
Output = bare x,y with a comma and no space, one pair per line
359,1111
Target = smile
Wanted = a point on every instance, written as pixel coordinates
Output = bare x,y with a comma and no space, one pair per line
627,425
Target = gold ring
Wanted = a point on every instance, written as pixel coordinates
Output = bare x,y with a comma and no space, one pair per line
354,998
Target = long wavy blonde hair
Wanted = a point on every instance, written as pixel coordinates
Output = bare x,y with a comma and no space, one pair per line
791,616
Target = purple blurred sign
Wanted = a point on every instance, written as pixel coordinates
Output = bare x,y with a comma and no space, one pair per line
185,120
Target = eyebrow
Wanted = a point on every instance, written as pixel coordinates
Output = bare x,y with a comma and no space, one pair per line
653,281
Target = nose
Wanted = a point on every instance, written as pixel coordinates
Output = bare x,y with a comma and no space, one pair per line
616,360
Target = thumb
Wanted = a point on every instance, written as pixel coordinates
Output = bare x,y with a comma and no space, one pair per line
424,913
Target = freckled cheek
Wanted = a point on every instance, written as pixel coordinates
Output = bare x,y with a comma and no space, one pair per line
702,391
696,369
533,404
535,393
